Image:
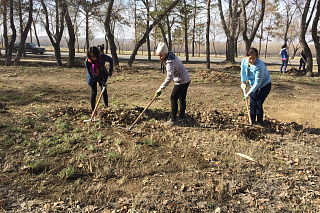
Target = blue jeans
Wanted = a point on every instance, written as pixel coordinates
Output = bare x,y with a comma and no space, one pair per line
302,64
256,100
284,64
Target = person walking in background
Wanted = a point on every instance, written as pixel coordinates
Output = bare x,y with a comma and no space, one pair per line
98,73
284,58
253,69
176,72
303,60
102,48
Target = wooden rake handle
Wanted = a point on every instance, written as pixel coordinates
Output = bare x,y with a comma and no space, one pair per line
97,104
142,112
247,105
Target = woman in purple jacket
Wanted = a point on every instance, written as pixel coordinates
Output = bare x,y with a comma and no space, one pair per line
98,73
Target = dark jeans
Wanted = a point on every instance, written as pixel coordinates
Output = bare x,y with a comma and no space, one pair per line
284,65
179,92
256,100
94,95
302,64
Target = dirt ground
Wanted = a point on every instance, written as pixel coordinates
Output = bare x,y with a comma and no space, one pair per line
50,161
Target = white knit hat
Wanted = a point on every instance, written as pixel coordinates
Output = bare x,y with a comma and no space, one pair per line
162,48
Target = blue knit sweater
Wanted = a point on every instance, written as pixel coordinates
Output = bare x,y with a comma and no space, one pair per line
257,74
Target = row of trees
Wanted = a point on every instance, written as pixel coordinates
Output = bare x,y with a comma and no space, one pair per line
178,22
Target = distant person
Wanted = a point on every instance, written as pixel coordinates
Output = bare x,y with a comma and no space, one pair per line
176,72
253,69
97,73
284,58
102,48
303,60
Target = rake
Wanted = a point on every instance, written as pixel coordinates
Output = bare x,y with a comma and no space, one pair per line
97,104
130,128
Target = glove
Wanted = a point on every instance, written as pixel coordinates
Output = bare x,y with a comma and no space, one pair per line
246,95
243,85
158,93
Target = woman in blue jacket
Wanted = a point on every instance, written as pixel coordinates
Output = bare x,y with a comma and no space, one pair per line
98,73
253,69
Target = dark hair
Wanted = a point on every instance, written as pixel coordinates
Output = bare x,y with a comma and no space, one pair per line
283,46
252,51
95,52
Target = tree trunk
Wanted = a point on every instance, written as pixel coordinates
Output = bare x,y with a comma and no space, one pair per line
186,50
230,33
5,26
208,36
24,34
163,33
148,38
155,22
169,33
36,34
72,37
194,26
302,39
315,35
110,35
10,44
248,40
55,40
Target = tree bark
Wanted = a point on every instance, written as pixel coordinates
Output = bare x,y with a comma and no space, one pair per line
315,35
208,35
155,22
302,39
186,49
248,40
10,44
230,33
113,48
194,26
169,33
55,40
24,34
72,37
5,26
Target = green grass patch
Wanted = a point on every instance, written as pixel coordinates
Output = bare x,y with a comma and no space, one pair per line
61,125
112,156
7,140
67,173
37,167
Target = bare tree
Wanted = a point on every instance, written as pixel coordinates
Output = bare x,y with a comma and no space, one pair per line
24,32
72,38
110,35
9,44
55,37
231,28
155,22
185,21
146,4
316,35
248,40
302,38
208,35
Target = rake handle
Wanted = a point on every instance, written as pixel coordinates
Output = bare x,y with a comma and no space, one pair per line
142,112
246,100
96,107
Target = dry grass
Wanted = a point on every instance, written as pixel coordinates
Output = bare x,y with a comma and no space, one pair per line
62,164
